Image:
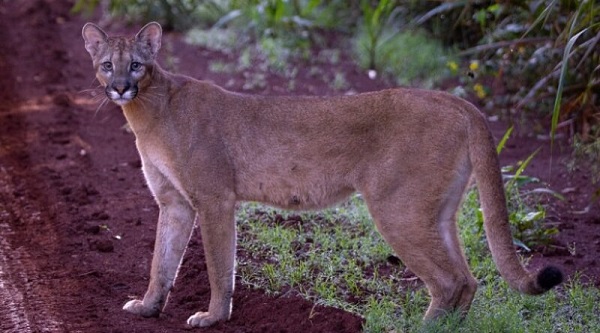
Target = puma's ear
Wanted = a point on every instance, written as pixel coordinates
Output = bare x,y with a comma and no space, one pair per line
94,38
149,38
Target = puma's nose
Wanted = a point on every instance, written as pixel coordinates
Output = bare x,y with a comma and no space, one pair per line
120,87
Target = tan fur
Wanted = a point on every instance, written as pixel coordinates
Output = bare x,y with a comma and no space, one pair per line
409,152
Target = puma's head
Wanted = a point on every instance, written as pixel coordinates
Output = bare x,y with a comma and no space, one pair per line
123,65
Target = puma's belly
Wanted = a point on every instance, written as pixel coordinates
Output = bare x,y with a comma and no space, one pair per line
292,188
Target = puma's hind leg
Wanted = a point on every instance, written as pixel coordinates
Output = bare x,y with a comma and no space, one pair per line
426,241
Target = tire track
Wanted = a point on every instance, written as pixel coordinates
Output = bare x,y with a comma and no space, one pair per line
26,223
23,307
12,312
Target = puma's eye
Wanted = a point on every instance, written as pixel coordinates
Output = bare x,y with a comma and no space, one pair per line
107,66
136,66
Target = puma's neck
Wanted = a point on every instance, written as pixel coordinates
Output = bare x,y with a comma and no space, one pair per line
151,101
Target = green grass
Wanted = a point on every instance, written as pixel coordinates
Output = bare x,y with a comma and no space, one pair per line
337,258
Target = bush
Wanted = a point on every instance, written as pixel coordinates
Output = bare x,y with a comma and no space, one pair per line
171,14
410,57
540,52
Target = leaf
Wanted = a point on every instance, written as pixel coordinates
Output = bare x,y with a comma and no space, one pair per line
85,6
495,9
504,139
566,55
520,180
225,19
561,83
479,215
279,11
533,216
446,6
520,244
308,9
543,190
481,16
521,168
381,9
543,16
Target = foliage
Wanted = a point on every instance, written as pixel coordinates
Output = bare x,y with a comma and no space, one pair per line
265,35
527,222
410,57
384,44
281,16
375,20
172,14
588,152
544,57
578,26
529,49
295,18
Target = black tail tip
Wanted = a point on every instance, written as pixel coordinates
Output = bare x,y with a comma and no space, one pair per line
549,277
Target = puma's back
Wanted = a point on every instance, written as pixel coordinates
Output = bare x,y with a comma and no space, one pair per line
410,153
310,152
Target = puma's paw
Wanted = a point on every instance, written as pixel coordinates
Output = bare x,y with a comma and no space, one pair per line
203,319
138,307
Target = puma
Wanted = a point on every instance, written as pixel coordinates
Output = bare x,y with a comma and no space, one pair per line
409,152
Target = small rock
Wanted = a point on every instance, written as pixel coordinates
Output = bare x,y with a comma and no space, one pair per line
62,100
393,260
104,245
92,229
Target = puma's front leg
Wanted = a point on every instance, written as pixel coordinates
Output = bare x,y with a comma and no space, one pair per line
175,224
217,225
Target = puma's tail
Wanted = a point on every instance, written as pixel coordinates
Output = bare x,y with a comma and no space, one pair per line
493,202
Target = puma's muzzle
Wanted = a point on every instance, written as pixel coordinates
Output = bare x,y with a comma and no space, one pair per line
121,92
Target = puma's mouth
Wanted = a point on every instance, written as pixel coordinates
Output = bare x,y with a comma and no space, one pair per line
121,98
121,101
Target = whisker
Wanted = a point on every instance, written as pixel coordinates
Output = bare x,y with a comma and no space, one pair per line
90,90
102,104
99,95
98,98
94,80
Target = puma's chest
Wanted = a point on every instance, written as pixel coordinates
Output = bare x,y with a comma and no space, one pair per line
161,168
